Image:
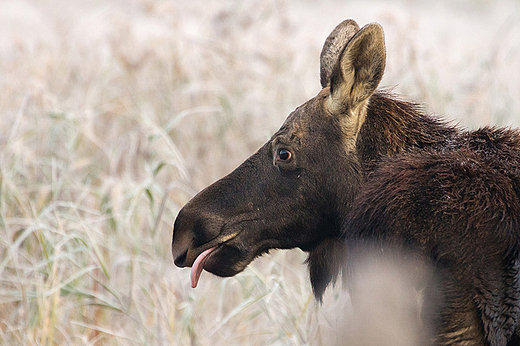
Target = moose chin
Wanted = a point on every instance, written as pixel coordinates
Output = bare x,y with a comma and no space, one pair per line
355,167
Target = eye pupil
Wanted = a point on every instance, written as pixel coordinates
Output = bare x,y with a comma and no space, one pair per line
284,155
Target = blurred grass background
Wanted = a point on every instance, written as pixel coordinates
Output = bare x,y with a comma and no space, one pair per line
114,113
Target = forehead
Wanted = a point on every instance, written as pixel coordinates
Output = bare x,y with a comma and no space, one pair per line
305,119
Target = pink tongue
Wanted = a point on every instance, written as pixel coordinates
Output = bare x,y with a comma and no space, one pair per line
197,267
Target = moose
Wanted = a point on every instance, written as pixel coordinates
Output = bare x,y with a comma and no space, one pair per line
355,165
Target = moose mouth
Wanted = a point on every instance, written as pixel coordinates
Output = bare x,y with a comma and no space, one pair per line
224,260
198,266
225,255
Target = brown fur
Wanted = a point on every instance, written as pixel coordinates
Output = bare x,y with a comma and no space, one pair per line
355,168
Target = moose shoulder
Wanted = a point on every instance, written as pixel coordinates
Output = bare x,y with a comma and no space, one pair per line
357,165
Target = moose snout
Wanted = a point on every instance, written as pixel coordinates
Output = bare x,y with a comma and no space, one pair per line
192,230
180,258
181,242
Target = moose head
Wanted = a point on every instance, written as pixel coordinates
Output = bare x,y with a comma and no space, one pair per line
295,189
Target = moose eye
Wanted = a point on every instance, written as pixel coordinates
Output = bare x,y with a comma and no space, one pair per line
284,155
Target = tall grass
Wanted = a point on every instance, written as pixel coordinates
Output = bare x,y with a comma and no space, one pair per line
115,113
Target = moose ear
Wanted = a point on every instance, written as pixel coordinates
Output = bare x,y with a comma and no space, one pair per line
359,70
333,46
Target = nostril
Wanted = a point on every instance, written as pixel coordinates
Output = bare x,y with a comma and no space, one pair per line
180,261
191,230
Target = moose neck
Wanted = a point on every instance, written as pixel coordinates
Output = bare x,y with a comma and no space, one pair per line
393,125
